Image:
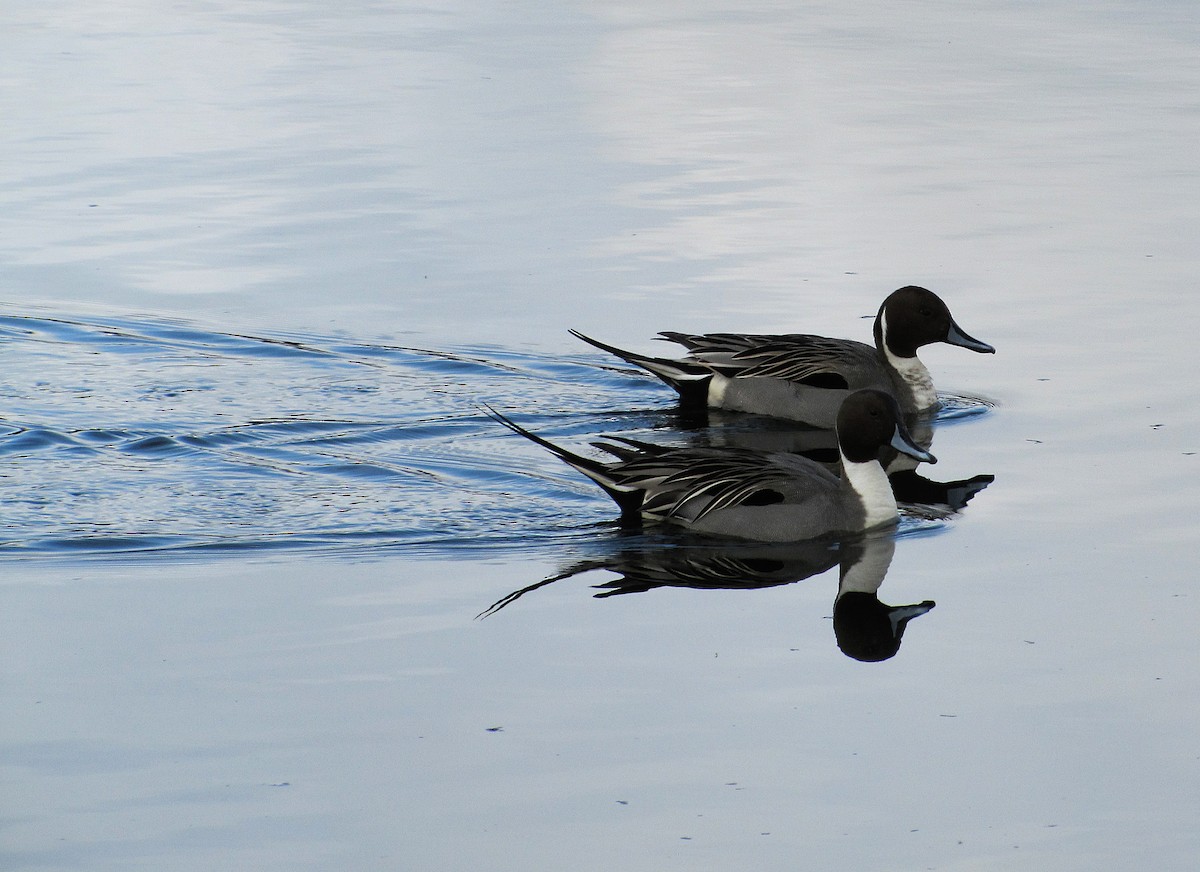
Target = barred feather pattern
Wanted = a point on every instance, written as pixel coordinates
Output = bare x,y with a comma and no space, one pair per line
674,480
793,357
710,343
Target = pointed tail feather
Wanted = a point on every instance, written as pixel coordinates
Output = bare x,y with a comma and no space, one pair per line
628,499
689,378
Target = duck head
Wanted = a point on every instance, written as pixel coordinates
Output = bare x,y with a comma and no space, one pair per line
869,420
912,316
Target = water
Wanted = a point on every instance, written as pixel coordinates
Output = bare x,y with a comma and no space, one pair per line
260,267
167,437
170,437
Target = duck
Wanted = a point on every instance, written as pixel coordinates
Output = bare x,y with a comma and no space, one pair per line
805,378
754,495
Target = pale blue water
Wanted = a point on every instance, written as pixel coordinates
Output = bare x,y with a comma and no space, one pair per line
146,436
169,437
259,266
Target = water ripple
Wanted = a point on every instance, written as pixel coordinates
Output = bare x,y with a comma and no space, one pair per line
135,436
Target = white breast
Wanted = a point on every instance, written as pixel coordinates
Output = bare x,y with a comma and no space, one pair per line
871,484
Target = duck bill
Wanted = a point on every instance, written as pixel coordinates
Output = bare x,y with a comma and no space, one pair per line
957,336
901,615
903,443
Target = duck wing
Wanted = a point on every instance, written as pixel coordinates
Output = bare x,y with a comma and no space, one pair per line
818,361
689,483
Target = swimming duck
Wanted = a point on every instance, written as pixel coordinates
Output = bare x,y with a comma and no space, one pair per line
747,494
804,377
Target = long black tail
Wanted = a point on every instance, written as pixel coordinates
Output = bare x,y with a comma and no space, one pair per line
628,499
689,378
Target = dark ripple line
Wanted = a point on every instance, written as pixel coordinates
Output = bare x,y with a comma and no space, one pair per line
465,498
378,543
960,407
129,335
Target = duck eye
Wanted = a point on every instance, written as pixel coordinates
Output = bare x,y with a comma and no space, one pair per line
927,312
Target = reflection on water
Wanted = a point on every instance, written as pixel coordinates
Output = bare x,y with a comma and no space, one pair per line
918,495
142,435
866,628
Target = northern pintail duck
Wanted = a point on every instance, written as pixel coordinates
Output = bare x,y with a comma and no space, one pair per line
804,377
763,496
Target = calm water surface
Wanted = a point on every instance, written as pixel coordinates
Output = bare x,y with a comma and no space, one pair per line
260,266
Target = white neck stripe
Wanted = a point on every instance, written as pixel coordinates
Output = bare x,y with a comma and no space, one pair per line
912,371
871,484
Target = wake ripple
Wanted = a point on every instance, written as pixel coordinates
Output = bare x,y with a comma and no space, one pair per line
128,437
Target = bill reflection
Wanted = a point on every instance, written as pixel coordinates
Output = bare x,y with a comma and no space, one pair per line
916,494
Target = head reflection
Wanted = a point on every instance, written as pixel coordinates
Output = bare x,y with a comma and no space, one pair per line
866,628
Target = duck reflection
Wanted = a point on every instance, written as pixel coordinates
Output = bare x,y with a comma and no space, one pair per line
914,492
866,628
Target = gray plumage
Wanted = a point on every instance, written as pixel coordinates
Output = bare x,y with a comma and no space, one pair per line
805,377
768,497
